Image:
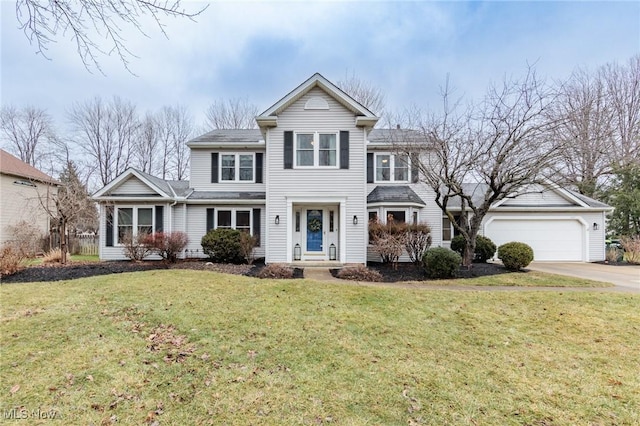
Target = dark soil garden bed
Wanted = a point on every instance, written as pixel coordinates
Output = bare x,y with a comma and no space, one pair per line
404,271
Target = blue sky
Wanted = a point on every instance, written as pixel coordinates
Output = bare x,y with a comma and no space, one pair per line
261,50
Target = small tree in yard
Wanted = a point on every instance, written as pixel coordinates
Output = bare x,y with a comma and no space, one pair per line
502,144
168,244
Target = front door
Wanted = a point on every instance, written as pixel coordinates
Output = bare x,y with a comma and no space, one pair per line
314,231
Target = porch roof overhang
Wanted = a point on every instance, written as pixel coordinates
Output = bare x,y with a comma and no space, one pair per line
394,195
226,197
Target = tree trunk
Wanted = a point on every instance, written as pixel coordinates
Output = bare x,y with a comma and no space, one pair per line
468,253
63,241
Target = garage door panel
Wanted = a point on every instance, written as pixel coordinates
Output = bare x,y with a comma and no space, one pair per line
551,240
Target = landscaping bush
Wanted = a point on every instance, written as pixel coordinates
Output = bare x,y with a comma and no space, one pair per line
388,240
11,260
440,262
276,270
417,241
631,246
485,248
137,247
359,273
247,244
223,245
53,256
26,238
515,255
169,245
614,254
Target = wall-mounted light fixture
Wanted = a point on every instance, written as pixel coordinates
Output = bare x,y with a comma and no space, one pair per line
277,220
355,219
595,226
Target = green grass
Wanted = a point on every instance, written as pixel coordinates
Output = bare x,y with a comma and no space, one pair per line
517,279
194,347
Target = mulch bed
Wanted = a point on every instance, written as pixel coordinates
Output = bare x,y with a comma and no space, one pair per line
404,271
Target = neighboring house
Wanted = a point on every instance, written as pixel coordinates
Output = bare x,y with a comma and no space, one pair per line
23,188
308,181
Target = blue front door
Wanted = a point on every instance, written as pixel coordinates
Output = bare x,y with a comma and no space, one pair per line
314,230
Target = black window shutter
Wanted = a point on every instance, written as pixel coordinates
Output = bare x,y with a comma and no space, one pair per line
344,149
259,156
210,219
415,172
159,219
370,167
288,149
214,167
256,226
109,230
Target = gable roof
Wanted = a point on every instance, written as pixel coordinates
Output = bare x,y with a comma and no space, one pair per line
235,137
575,200
394,194
11,165
269,117
160,186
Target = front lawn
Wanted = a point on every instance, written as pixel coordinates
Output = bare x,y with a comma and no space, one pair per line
197,347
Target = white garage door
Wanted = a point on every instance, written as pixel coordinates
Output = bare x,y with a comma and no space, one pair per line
551,240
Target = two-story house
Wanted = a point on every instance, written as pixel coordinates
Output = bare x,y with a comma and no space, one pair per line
308,181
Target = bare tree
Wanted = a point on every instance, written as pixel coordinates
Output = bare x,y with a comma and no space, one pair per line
105,132
623,90
175,127
233,113
183,131
69,206
370,96
27,131
44,20
600,124
480,154
585,131
146,144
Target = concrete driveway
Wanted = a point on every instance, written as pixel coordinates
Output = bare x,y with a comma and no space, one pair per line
627,276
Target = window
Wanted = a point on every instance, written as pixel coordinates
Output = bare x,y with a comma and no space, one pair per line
125,224
145,221
234,219
396,216
446,229
236,167
316,149
373,217
132,221
392,168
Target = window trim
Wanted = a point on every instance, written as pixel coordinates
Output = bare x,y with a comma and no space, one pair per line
316,149
234,218
134,220
392,168
237,167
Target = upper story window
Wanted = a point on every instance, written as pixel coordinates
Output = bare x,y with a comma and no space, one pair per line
392,168
316,149
236,167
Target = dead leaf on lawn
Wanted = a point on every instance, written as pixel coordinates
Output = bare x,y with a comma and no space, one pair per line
14,389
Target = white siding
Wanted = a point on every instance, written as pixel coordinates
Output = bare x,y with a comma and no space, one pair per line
536,195
201,172
22,203
348,184
197,224
133,186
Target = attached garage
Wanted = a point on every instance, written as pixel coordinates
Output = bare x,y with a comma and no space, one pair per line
551,238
